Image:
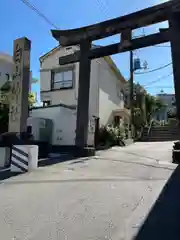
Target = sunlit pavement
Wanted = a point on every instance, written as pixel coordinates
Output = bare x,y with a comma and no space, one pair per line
105,197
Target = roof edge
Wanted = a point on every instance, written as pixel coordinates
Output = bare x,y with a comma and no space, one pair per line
115,69
72,107
108,59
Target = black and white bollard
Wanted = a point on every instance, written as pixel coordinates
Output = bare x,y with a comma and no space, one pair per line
24,158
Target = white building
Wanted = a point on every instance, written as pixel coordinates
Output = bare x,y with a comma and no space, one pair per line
169,108
59,84
7,68
59,87
167,99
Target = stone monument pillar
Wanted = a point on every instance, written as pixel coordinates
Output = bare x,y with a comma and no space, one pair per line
18,109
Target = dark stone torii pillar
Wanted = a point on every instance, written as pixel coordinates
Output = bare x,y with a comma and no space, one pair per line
174,27
83,96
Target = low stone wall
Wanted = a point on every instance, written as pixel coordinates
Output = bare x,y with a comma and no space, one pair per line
5,157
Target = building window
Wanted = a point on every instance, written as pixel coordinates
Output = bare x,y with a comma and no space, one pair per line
121,95
46,103
116,120
126,100
62,79
7,76
68,48
29,129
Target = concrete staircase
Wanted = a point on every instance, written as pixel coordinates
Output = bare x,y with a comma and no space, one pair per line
161,133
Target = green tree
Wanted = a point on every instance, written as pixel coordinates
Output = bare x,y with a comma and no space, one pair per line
4,105
32,99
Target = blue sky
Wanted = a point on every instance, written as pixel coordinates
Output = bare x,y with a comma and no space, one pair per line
17,20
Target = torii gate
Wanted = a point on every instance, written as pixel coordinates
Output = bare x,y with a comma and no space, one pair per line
123,25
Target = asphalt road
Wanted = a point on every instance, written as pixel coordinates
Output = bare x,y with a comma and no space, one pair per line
106,197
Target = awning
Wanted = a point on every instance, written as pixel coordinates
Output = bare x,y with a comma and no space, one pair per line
123,112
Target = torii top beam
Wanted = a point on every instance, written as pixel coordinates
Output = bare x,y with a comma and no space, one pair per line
148,16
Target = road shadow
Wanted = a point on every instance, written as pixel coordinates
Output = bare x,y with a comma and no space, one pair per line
55,160
5,174
62,158
163,221
8,174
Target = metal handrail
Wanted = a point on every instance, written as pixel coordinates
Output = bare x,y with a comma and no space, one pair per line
149,129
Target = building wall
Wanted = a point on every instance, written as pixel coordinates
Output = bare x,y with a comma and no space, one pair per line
67,96
167,99
6,67
64,122
109,93
104,86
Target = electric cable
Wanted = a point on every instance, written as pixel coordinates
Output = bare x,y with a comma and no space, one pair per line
36,10
154,70
103,6
157,80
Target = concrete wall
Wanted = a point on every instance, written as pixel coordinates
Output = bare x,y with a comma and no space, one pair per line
64,124
64,121
4,156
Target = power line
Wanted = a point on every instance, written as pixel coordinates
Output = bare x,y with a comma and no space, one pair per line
154,70
162,46
38,12
160,87
157,80
103,7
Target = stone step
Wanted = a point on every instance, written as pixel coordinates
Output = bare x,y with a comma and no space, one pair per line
164,130
168,132
164,134
163,138
161,133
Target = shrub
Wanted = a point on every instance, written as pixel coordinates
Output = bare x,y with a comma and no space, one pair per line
110,135
104,135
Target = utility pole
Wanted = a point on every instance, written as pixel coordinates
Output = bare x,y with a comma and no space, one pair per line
132,92
132,69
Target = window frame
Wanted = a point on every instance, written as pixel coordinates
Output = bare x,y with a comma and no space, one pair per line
117,120
62,70
121,95
7,76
